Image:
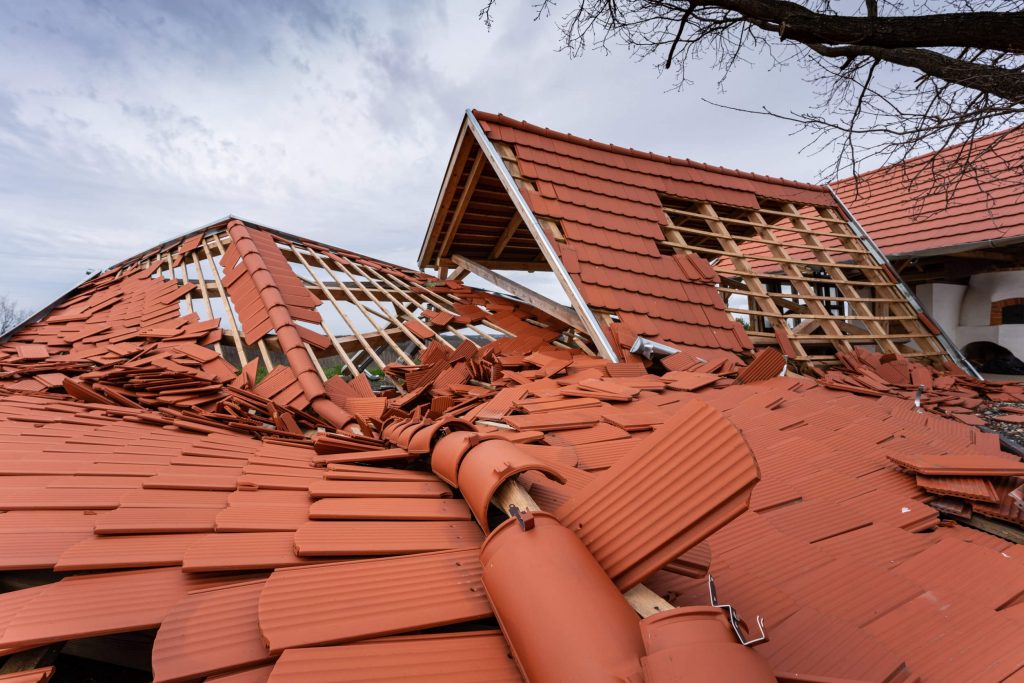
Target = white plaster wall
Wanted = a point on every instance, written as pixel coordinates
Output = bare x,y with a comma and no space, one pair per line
943,302
976,309
985,288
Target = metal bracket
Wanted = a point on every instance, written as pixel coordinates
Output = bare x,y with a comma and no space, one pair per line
524,517
651,350
734,618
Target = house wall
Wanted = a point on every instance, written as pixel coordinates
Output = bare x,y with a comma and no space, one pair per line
965,311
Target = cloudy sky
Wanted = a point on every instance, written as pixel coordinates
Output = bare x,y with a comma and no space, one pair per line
125,124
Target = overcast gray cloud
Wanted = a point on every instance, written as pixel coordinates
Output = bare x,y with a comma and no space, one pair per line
125,124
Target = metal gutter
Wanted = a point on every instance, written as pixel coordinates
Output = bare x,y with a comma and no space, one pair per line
939,251
947,344
547,249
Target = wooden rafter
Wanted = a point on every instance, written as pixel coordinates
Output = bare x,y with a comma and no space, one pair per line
535,299
801,251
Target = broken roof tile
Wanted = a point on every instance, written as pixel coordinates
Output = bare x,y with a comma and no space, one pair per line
601,514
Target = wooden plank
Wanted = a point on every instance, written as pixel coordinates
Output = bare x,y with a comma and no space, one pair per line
737,221
352,328
749,277
810,316
260,344
787,295
232,323
362,309
841,229
821,317
449,185
460,209
776,259
535,299
776,275
759,240
206,296
389,315
506,236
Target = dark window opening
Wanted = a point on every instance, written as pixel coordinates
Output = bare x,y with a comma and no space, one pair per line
1013,315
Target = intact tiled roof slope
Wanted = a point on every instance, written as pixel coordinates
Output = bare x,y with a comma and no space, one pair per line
906,209
607,201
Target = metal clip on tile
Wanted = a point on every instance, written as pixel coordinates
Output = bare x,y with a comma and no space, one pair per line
917,398
735,619
525,518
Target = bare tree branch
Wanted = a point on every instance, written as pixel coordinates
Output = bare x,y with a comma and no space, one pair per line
10,314
906,78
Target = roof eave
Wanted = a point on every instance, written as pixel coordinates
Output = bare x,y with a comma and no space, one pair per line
431,236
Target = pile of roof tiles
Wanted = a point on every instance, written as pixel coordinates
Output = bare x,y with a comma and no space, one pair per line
949,392
519,493
245,553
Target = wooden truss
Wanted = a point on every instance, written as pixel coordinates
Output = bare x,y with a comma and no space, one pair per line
372,313
800,277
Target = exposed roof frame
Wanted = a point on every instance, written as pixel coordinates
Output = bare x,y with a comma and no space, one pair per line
952,349
593,327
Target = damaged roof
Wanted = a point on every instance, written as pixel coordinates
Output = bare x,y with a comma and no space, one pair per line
271,459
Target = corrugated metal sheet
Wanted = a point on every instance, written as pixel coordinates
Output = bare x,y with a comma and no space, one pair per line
208,632
696,472
880,544
971,488
442,658
827,588
59,499
352,600
959,465
172,498
351,538
949,640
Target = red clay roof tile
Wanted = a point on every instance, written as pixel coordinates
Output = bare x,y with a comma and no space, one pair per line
437,658
210,631
906,209
354,600
600,514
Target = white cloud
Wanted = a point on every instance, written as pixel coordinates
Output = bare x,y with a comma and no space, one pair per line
124,124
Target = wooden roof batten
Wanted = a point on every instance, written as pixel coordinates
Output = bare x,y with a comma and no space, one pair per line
944,340
438,243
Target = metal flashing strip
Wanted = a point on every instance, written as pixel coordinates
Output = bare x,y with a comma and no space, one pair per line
593,328
956,248
944,340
